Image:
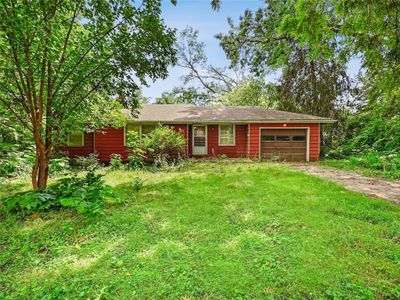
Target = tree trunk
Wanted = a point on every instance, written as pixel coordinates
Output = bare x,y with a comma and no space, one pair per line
35,171
40,171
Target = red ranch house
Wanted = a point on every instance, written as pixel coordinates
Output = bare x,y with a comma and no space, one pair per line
234,131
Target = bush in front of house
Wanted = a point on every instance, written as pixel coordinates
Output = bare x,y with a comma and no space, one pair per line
59,166
164,146
89,162
116,162
88,196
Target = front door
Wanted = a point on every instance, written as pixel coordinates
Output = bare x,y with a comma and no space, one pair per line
199,139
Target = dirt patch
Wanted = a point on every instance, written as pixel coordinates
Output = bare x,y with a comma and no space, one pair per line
373,187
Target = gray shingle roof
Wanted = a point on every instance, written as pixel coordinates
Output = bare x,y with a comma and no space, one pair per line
186,113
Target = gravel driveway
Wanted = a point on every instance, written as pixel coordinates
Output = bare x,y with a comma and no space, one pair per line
373,187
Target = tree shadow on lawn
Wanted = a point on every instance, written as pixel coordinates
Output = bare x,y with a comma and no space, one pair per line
250,233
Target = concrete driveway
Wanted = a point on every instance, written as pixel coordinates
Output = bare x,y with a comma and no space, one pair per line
373,187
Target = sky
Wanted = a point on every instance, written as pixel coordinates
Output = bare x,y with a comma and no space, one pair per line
199,15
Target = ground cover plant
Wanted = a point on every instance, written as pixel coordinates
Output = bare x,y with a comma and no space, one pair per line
215,230
386,165
87,195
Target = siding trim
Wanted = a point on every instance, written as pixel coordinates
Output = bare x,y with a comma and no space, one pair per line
278,128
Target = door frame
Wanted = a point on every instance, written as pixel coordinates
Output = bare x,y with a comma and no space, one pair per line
307,139
206,146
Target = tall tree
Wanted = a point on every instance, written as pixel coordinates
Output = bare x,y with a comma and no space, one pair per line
55,56
309,83
251,92
184,95
328,33
212,80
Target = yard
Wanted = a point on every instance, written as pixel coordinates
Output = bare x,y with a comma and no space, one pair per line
212,230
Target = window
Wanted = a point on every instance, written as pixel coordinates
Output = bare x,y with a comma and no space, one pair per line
146,129
133,127
75,139
267,138
298,138
283,138
141,130
226,135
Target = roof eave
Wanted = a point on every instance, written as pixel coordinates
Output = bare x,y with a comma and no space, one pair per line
320,121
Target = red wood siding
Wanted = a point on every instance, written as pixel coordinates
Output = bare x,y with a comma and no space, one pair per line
109,141
314,137
81,151
240,148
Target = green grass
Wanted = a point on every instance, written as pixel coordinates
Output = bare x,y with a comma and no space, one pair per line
214,231
352,165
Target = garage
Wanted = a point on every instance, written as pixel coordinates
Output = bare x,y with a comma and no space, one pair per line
284,144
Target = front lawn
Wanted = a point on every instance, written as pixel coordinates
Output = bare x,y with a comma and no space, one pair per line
214,230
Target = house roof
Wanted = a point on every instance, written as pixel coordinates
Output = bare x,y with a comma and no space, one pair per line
187,113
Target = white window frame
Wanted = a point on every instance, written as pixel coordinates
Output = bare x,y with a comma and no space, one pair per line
219,135
82,138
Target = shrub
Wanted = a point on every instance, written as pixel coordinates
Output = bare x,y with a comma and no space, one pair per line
16,163
115,161
132,139
32,201
164,146
90,162
59,166
87,195
138,184
135,159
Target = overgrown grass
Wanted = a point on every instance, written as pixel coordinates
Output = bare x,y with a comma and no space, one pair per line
214,230
353,164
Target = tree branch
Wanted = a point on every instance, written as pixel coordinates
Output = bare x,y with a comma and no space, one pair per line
82,80
9,107
87,95
62,59
83,56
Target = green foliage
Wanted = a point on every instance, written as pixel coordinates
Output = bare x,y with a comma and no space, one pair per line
267,232
312,42
116,161
374,131
382,164
89,162
136,160
87,195
251,92
184,95
63,62
16,163
132,139
32,201
59,166
138,184
164,145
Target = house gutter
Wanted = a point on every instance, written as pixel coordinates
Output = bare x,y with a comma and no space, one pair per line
323,121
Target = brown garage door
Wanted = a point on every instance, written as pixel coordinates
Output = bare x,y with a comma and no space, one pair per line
284,144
